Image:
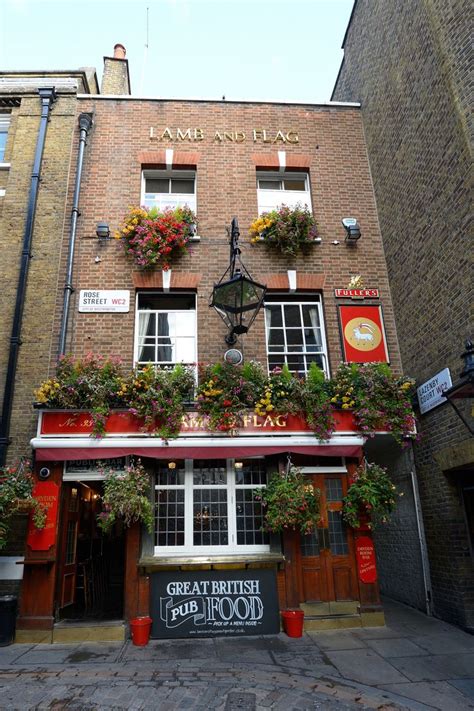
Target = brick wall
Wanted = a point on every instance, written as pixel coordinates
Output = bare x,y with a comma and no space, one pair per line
331,140
406,62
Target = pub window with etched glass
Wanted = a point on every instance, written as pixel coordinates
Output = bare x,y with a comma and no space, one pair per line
165,331
295,334
208,507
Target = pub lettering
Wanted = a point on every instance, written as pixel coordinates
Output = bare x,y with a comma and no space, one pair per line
257,135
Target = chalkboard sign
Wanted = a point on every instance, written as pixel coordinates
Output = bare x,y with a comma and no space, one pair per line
213,603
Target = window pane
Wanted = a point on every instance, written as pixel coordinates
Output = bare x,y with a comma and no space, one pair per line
292,315
273,316
205,474
249,516
157,185
269,184
337,534
164,324
146,354
3,143
163,302
310,315
185,352
294,184
310,544
276,339
170,517
333,489
166,354
184,323
173,476
182,186
294,339
210,517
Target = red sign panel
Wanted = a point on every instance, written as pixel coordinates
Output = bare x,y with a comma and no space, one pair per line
47,493
62,423
363,334
366,565
356,293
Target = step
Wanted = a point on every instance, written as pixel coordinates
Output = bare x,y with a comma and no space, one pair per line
324,609
331,622
66,632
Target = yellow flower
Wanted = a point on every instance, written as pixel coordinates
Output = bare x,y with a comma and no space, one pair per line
345,406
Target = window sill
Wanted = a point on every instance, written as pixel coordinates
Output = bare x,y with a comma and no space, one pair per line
5,166
316,240
196,238
153,564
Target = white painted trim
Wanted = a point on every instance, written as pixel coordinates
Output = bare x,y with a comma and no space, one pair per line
166,274
5,166
282,160
169,158
292,280
127,97
3,192
11,567
215,442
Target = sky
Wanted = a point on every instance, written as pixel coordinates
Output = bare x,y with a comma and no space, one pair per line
268,50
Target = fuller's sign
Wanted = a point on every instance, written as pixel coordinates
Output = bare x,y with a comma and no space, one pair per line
356,293
213,603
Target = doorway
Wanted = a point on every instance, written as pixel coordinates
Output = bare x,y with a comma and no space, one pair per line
327,562
91,564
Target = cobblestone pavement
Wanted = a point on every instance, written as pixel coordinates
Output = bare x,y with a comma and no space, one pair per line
414,662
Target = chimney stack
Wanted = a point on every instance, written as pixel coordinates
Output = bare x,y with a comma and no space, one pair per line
116,78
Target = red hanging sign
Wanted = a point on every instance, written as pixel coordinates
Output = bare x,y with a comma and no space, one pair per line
363,334
366,564
47,493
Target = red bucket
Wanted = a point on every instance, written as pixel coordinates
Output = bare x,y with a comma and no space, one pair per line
140,628
293,621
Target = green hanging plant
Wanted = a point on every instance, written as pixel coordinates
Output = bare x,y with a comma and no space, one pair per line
126,498
371,493
289,501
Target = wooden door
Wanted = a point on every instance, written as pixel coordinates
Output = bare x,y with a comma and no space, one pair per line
327,557
68,551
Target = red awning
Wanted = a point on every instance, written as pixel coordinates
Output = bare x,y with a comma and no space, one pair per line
194,451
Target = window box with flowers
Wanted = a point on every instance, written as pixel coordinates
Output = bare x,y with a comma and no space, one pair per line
16,496
287,229
226,394
153,237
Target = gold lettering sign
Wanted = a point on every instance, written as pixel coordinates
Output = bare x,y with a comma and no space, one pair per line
224,135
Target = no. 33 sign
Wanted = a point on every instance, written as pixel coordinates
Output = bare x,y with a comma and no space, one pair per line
366,565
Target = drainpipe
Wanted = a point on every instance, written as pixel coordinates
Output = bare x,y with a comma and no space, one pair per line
48,97
85,124
425,565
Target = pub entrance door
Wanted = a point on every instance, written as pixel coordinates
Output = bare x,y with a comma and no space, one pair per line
91,564
327,561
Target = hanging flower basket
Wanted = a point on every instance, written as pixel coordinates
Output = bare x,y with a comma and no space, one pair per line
371,497
289,501
126,498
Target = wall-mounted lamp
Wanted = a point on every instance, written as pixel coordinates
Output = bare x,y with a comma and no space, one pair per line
239,465
102,231
464,390
352,228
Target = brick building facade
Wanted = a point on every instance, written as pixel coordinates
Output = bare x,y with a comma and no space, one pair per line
407,63
228,157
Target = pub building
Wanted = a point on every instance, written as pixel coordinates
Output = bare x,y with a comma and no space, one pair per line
207,567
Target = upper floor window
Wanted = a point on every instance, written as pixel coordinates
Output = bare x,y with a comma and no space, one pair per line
165,331
295,333
4,126
275,189
169,189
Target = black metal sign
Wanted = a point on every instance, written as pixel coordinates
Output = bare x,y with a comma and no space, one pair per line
212,603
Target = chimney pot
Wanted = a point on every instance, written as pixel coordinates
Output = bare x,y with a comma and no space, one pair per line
119,51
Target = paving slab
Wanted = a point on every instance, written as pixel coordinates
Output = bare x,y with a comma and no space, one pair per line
335,639
395,647
438,695
464,685
365,666
448,642
435,668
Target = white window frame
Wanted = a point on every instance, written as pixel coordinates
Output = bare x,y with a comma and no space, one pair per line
188,548
4,128
136,347
315,301
272,199
169,200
